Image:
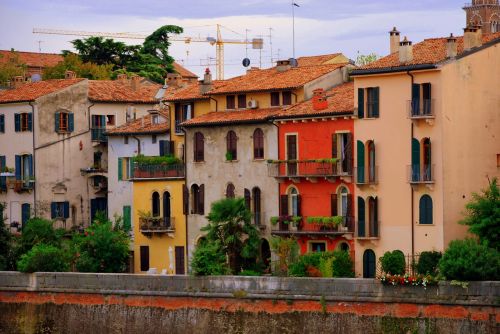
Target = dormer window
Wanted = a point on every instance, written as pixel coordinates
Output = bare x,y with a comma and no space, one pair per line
230,102
275,99
287,98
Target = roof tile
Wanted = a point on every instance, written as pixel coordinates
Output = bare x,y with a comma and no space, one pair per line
121,91
32,59
143,125
233,117
33,90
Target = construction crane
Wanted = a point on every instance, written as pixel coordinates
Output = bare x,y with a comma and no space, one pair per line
257,43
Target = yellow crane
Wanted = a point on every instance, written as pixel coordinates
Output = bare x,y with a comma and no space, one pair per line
257,43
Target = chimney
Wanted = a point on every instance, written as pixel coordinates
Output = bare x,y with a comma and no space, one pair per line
69,75
17,81
174,80
135,82
451,46
283,65
472,37
206,83
319,100
394,40
405,51
121,77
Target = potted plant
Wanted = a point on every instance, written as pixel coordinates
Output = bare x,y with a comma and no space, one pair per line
275,220
295,221
229,156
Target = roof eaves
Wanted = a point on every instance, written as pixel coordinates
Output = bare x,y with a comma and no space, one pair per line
393,69
136,133
254,90
18,101
122,101
224,123
314,115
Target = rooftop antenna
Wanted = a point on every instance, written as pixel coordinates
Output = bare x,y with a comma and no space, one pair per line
271,44
39,46
246,45
293,26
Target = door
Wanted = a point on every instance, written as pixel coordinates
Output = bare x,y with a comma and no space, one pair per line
166,208
144,250
179,260
369,264
291,154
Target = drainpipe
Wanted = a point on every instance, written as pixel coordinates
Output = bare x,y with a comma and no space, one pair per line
278,143
185,184
216,104
411,187
89,209
34,154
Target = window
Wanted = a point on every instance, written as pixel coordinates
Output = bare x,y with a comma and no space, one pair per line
23,122
342,150
287,97
368,100
97,160
257,219
426,152
415,160
125,140
98,127
318,246
128,165
166,148
242,101
24,168
2,123
144,252
153,139
183,112
199,147
25,213
293,202
344,246
373,217
421,100
248,198
341,205
155,204
59,210
3,179
343,193
275,99
291,154
425,210
230,102
258,144
198,198
231,141
361,217
230,191
111,120
360,177
155,119
371,161
369,264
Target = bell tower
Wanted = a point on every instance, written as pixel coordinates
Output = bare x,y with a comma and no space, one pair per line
485,13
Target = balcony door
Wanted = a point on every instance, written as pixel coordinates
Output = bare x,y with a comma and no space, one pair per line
166,208
291,154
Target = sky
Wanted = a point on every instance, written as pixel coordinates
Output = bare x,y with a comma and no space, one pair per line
321,26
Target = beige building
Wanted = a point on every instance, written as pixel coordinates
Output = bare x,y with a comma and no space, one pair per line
426,138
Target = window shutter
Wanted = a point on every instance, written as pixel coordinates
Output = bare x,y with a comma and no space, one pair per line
17,122
71,122
127,223
201,200
361,162
415,159
334,145
376,101
2,123
161,144
375,221
349,205
53,210
334,205
361,217
3,179
18,167
25,213
120,169
103,121
283,205
57,116
30,165
361,102
66,209
349,152
185,200
299,203
30,121
247,198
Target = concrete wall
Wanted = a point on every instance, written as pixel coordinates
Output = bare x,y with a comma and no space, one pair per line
117,303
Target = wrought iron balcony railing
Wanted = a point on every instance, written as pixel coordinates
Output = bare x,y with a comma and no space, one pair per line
99,134
305,228
367,229
157,224
307,168
421,108
420,174
158,171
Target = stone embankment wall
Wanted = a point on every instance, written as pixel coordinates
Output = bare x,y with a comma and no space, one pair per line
121,303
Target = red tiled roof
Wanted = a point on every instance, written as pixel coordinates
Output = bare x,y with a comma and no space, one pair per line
32,59
271,79
233,117
429,51
32,91
189,92
340,101
316,60
121,91
183,72
143,125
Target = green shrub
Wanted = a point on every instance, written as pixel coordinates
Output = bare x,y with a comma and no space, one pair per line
209,259
156,160
326,266
43,258
39,231
248,272
342,264
299,268
428,262
393,262
468,260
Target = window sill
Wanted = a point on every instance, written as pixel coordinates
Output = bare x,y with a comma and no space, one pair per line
179,133
418,224
229,161
259,160
199,162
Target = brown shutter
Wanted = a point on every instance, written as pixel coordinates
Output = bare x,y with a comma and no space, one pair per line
333,203
201,200
179,260
334,146
299,203
349,152
349,205
283,205
185,200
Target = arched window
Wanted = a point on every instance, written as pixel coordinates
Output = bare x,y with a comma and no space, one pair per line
256,206
198,199
371,161
230,191
293,202
373,216
199,147
415,160
258,144
155,204
248,199
231,143
343,205
427,166
369,264
166,209
361,217
344,246
425,210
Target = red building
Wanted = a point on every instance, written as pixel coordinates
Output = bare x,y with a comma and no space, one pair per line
315,171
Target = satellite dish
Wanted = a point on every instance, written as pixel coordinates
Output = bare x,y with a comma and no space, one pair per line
293,62
36,77
246,62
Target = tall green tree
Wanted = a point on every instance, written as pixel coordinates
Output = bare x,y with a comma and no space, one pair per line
72,62
483,215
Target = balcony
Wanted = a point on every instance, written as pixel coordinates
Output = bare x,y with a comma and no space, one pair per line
421,109
327,168
371,232
178,128
307,228
94,171
366,176
160,225
21,186
418,174
158,171
99,135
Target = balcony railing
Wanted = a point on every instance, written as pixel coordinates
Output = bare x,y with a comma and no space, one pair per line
99,134
421,108
157,224
368,230
178,128
306,168
421,174
158,171
305,228
366,175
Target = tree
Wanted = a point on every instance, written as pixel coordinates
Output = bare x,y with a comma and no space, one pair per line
229,225
11,68
5,242
209,259
44,258
362,60
72,62
100,51
287,250
483,215
39,231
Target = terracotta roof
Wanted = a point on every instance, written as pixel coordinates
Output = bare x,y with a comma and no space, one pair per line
190,92
141,125
233,117
428,52
271,79
121,91
32,59
317,60
340,101
31,91
184,72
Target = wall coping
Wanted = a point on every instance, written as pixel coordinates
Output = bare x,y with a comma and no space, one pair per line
486,293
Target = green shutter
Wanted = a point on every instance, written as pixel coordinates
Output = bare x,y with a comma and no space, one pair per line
425,210
18,167
71,122
376,101
415,159
127,223
120,169
361,102
361,162
56,122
